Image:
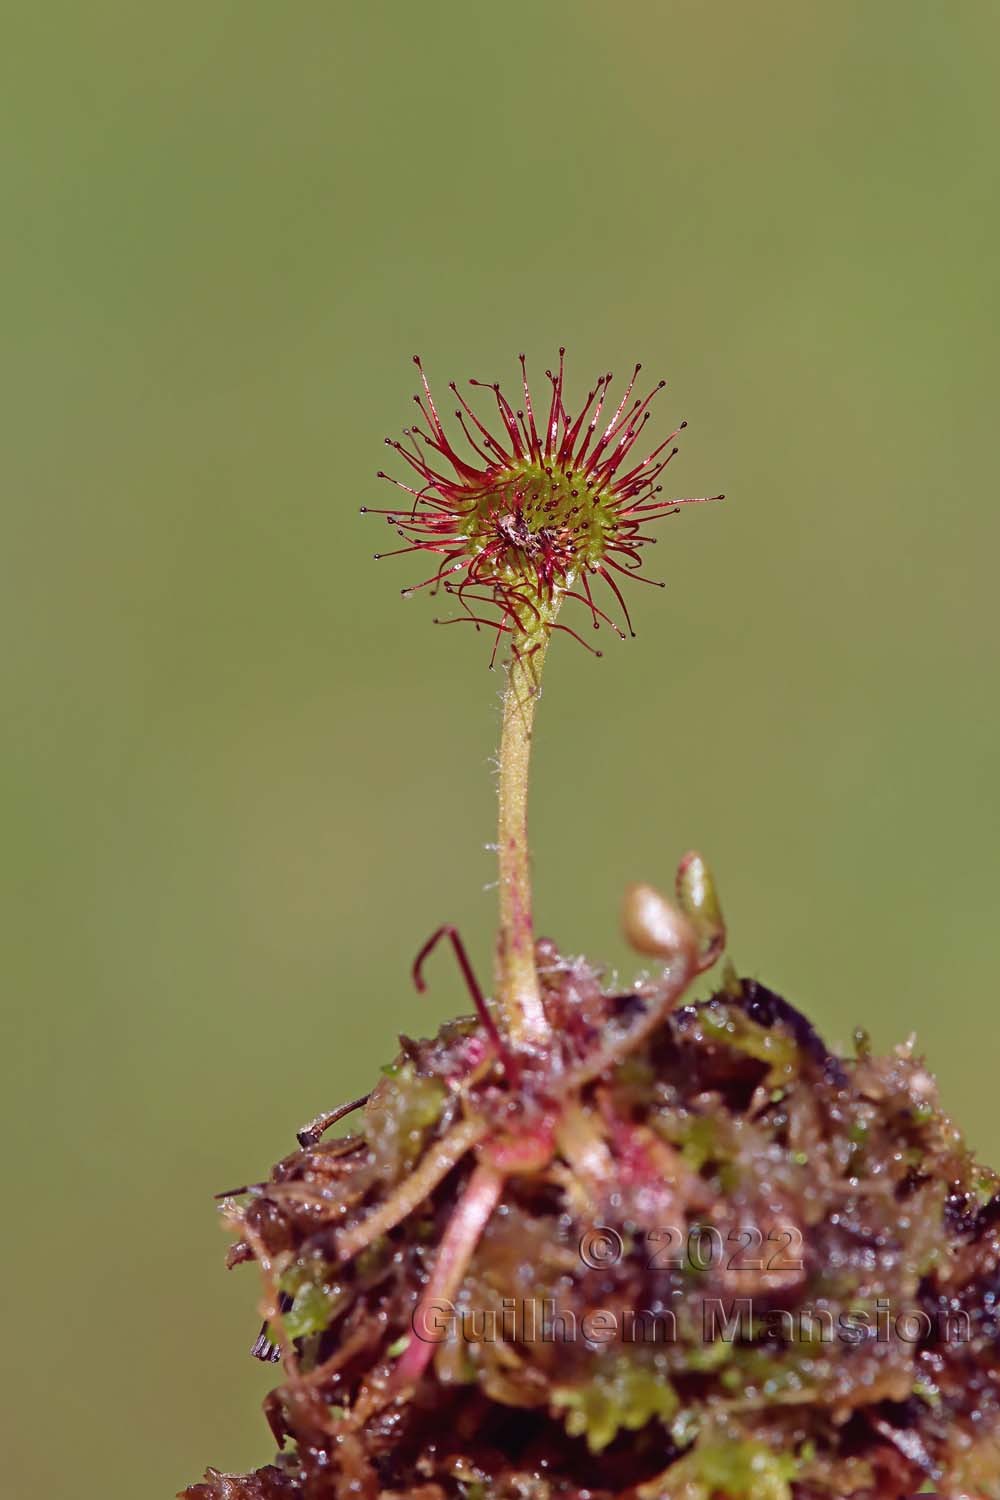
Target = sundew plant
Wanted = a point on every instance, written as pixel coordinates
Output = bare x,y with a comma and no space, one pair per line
592,1242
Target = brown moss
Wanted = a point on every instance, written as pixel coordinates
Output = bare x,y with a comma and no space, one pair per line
731,1161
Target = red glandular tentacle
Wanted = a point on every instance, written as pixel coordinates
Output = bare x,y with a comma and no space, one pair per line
517,522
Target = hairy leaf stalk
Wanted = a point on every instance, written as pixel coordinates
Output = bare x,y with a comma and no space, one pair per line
519,993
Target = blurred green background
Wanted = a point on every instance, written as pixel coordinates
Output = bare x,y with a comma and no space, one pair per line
242,780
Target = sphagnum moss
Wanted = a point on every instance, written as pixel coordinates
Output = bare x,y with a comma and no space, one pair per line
589,1243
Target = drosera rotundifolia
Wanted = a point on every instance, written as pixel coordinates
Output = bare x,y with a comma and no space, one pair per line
592,1242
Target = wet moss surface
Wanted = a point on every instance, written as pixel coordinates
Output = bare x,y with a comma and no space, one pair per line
730,1264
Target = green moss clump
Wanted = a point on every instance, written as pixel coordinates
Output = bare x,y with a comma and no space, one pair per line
727,1471
625,1395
